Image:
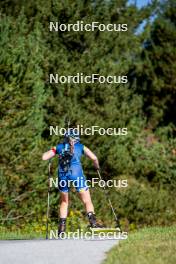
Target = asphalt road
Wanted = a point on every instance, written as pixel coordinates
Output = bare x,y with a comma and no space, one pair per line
54,251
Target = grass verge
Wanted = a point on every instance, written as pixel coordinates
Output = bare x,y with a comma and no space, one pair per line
152,245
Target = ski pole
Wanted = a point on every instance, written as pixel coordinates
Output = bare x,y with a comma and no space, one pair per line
48,200
109,201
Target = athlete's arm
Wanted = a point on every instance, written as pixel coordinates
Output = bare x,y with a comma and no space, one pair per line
92,156
49,154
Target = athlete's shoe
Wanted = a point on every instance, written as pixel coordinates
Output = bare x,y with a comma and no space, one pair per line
92,221
61,227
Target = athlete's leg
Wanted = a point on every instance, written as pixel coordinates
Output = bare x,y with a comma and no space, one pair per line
84,194
63,210
86,199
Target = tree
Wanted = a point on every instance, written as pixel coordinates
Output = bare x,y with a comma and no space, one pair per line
156,77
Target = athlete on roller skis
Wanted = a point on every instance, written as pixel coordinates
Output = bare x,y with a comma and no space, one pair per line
70,170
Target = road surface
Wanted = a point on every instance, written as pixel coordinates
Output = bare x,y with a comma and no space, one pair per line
54,251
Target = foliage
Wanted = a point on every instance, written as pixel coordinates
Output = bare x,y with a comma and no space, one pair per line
29,105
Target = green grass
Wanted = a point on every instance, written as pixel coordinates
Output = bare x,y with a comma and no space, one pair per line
18,235
155,245
25,233
8,235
